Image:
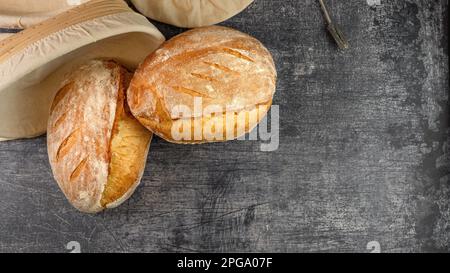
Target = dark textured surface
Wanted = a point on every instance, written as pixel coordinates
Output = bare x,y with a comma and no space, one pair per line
363,151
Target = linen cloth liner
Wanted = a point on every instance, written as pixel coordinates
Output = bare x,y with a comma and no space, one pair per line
191,13
26,13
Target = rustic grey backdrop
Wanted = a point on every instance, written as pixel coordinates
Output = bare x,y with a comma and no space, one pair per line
363,154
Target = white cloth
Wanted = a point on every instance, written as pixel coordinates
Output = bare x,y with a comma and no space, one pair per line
26,13
191,13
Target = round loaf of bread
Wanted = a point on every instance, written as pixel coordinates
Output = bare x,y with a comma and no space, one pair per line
206,85
191,13
97,149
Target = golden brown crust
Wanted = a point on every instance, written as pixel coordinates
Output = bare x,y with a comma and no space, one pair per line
84,121
128,151
224,67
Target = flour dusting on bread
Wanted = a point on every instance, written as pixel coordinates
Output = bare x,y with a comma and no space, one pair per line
80,146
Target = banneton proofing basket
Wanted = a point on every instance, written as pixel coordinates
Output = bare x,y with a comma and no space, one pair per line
191,13
34,62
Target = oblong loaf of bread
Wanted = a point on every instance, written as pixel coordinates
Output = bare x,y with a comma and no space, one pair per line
206,85
97,149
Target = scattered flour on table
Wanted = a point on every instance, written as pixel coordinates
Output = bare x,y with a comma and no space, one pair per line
373,2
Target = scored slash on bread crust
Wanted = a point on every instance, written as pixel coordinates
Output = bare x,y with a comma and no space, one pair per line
67,144
224,67
191,92
237,54
61,95
87,117
78,169
221,67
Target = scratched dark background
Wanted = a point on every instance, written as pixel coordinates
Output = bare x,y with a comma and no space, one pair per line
363,154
